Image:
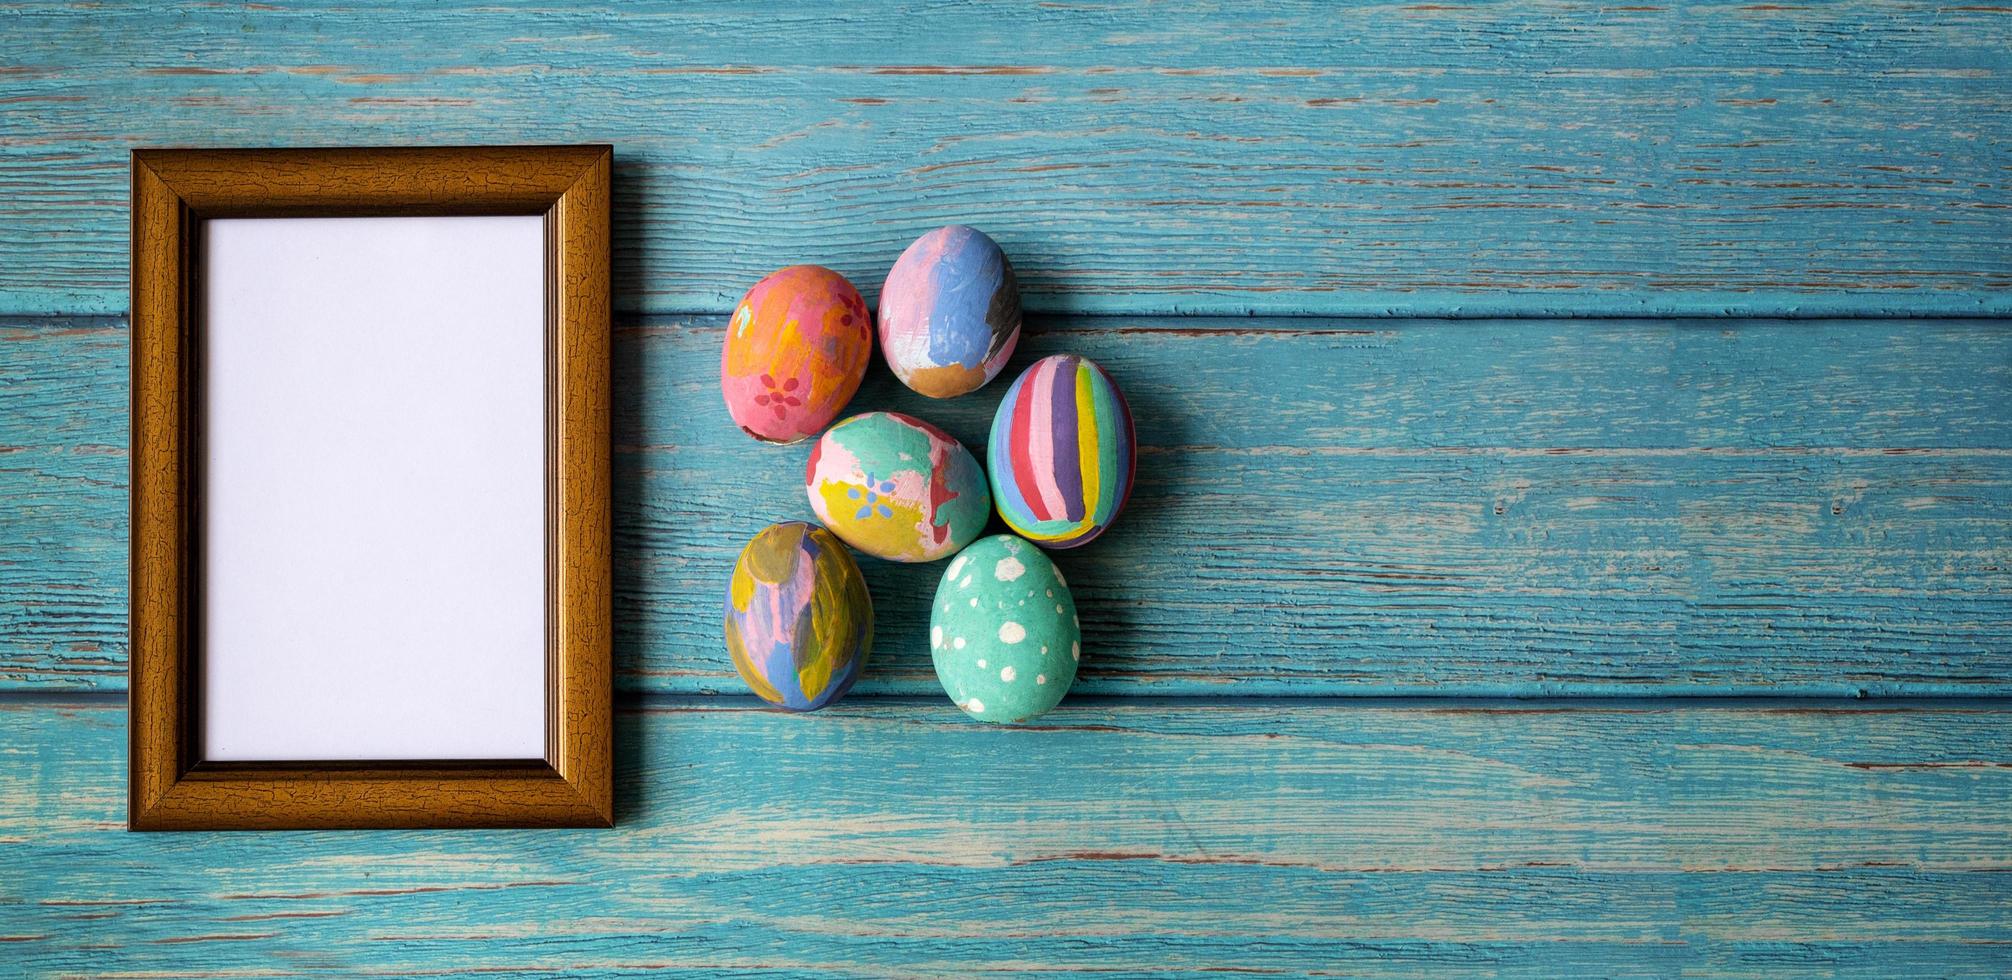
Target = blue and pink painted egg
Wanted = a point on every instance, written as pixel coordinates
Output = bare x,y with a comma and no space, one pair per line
949,312
799,622
796,350
1062,453
897,487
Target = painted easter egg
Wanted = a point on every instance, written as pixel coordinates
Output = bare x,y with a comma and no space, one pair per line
1062,452
799,622
897,487
1003,631
796,349
949,312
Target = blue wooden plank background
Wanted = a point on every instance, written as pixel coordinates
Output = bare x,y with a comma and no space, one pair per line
1377,839
1756,574
1284,157
1399,507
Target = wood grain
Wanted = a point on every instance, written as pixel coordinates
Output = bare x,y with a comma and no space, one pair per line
579,498
161,503
171,785
372,181
1386,840
1296,157
1328,507
1324,506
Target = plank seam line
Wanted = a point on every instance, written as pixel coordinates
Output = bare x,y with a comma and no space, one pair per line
1757,701
631,319
1997,309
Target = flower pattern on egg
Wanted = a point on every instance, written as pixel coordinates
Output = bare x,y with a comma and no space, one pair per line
777,397
875,489
796,353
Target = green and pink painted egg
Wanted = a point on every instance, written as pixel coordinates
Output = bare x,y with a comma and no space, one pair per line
896,487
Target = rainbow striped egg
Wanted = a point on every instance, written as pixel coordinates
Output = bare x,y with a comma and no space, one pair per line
1062,452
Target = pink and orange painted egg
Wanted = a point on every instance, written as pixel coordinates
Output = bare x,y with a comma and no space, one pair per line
796,349
799,622
949,312
897,487
1062,452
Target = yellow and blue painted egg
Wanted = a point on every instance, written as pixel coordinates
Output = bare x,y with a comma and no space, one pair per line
796,349
1003,633
949,312
897,487
1062,452
799,622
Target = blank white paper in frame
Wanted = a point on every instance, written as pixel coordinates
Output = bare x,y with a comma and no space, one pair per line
373,523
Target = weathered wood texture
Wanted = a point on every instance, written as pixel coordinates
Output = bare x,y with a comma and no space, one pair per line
1498,507
1136,840
1303,157
1326,507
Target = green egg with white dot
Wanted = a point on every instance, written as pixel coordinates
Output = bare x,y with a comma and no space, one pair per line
1003,631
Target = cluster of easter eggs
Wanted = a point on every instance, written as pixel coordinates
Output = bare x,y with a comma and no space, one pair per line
1058,467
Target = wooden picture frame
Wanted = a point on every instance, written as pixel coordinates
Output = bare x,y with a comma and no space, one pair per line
174,192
